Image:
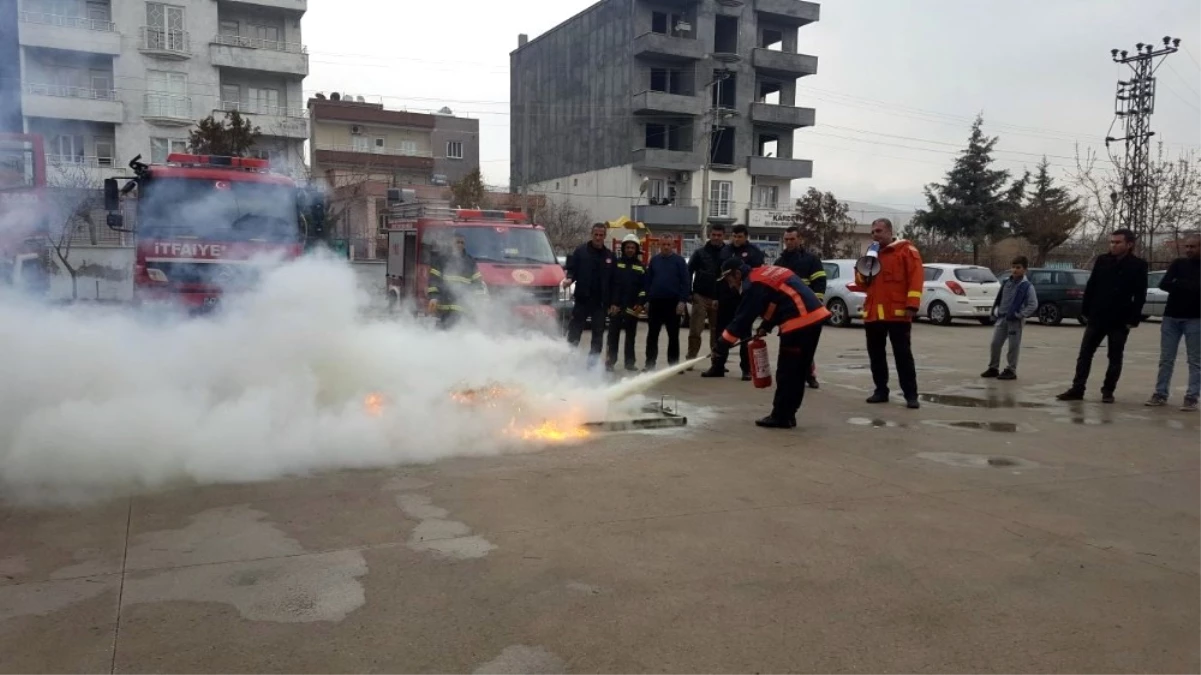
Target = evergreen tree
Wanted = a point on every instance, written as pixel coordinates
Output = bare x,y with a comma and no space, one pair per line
973,204
1050,216
469,192
824,224
233,137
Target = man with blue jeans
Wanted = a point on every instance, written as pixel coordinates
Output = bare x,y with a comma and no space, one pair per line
1181,318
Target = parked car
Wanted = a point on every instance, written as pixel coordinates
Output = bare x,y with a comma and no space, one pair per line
1157,300
958,292
844,298
1060,293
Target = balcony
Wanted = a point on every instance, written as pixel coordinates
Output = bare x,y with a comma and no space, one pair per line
667,216
660,46
783,64
279,122
247,53
663,103
669,160
167,109
787,116
795,13
388,158
777,167
167,44
72,103
80,171
301,6
73,33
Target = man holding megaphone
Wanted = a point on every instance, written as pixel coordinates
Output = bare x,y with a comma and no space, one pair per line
893,275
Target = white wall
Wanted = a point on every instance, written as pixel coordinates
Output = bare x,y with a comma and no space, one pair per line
605,195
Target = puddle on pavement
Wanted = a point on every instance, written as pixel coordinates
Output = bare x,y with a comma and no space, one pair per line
1001,427
1087,421
974,402
876,423
965,460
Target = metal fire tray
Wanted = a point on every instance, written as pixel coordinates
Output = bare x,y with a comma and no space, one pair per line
663,414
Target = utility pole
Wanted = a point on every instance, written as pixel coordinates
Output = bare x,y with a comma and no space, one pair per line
713,111
1133,104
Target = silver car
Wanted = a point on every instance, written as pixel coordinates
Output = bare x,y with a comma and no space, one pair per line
1157,300
844,298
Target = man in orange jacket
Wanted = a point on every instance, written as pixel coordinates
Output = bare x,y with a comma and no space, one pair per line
893,298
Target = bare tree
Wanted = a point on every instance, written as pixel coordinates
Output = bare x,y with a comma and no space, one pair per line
566,224
1174,187
72,215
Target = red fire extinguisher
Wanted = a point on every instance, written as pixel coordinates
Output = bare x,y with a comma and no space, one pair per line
760,363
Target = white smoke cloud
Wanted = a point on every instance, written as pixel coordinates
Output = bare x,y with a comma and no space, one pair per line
98,402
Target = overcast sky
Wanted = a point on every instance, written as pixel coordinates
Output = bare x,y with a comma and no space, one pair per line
897,84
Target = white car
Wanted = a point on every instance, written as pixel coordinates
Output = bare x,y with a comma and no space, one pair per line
1156,300
958,292
844,298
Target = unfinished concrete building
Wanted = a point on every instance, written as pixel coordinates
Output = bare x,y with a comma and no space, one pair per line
625,107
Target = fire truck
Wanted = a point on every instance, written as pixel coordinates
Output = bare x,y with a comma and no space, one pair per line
23,212
514,255
204,222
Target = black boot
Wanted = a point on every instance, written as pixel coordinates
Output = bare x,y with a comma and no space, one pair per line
770,422
812,382
878,397
714,372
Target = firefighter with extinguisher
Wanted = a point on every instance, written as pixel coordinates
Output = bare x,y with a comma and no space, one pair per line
453,281
784,302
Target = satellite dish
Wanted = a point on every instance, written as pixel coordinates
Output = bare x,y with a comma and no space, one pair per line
335,96
320,96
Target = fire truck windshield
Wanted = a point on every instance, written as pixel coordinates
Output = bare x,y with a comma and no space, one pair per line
228,210
504,244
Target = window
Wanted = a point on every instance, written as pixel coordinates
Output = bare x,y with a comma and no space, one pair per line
669,80
932,273
381,144
99,12
231,97
165,27
725,89
161,147
68,148
766,196
269,34
656,190
721,194
725,35
454,150
408,148
360,143
102,85
166,94
228,28
104,152
263,101
975,275
721,146
832,270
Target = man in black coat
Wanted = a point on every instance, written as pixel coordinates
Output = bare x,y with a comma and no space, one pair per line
1113,304
806,265
591,267
627,298
741,249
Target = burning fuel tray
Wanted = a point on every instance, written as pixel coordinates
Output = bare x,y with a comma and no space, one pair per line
661,415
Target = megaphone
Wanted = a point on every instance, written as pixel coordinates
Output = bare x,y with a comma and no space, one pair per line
869,265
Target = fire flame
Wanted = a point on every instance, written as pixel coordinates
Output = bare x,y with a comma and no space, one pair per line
374,403
549,431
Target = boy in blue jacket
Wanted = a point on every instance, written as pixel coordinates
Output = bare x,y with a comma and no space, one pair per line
1016,302
668,285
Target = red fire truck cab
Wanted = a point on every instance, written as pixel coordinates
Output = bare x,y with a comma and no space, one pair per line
514,256
203,222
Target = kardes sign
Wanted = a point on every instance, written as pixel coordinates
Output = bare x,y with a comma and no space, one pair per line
767,218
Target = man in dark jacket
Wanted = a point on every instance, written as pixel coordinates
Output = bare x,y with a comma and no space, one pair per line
1113,304
626,298
590,266
1181,319
806,265
705,267
667,289
783,301
727,301
453,280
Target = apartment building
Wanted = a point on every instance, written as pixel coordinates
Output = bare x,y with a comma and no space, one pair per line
360,149
628,106
106,80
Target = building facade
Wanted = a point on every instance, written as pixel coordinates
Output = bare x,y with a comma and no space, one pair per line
673,112
107,80
360,149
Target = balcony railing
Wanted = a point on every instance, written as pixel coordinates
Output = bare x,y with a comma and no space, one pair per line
259,43
87,162
176,42
66,91
376,151
68,21
256,109
167,106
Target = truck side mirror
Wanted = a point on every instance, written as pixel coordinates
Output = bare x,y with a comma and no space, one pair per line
116,221
112,195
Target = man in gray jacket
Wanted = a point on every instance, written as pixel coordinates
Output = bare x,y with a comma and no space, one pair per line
1015,303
